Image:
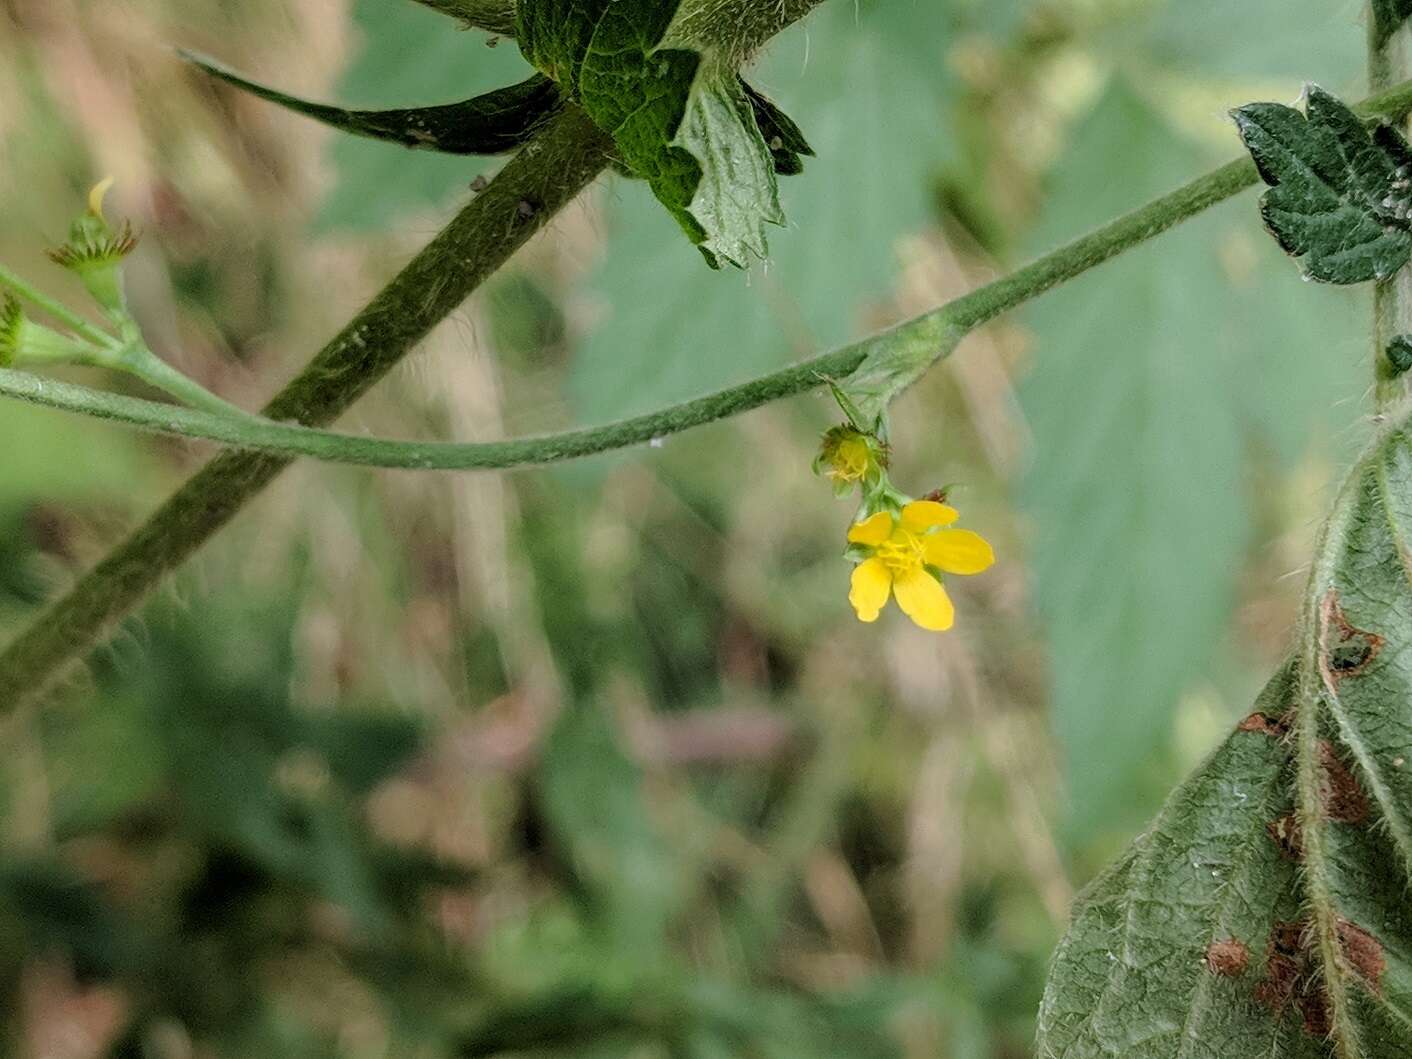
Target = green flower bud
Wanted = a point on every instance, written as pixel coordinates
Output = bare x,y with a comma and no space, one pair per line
95,251
22,341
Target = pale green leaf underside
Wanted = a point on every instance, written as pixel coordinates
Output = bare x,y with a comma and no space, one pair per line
1265,912
1339,192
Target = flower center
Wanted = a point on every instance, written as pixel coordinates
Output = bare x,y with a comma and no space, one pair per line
901,553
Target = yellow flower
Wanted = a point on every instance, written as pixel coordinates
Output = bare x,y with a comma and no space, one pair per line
900,551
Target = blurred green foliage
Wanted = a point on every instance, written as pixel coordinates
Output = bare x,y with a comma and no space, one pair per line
597,761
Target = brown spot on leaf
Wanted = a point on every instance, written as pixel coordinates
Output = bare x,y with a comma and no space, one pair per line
1275,727
1344,650
1227,958
1363,951
1285,833
1314,1006
1289,979
1342,797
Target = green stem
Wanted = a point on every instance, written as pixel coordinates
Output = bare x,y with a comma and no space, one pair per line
1387,60
563,160
58,310
153,370
963,314
493,16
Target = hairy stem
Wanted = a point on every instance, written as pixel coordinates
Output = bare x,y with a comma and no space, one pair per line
494,16
55,308
1387,61
155,371
547,174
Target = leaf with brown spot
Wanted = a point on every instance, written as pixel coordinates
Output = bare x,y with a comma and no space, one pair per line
1275,727
1297,831
1228,958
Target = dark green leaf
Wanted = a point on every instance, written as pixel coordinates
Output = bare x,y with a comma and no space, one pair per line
681,119
784,138
492,123
1399,353
1339,192
1388,17
1265,911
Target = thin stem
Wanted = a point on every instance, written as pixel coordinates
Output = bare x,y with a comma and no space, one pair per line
155,371
57,309
493,16
1387,60
549,172
961,315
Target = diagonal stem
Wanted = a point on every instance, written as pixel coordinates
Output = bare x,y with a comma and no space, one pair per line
546,175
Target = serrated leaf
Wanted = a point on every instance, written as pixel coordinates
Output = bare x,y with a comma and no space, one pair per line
493,123
873,94
1265,911
681,119
1339,192
1388,17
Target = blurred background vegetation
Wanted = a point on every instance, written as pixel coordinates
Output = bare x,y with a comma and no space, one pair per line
596,760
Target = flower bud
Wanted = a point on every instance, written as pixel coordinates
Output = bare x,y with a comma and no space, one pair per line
95,251
847,456
22,341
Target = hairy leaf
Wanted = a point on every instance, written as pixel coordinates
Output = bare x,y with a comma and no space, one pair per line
1339,192
493,123
1264,912
681,119
1388,17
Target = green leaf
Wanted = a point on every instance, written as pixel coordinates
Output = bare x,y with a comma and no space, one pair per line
1339,193
873,93
1388,17
681,119
492,123
1265,911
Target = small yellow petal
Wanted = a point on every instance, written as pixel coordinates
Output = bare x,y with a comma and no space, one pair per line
97,195
922,599
873,530
958,551
871,585
921,515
